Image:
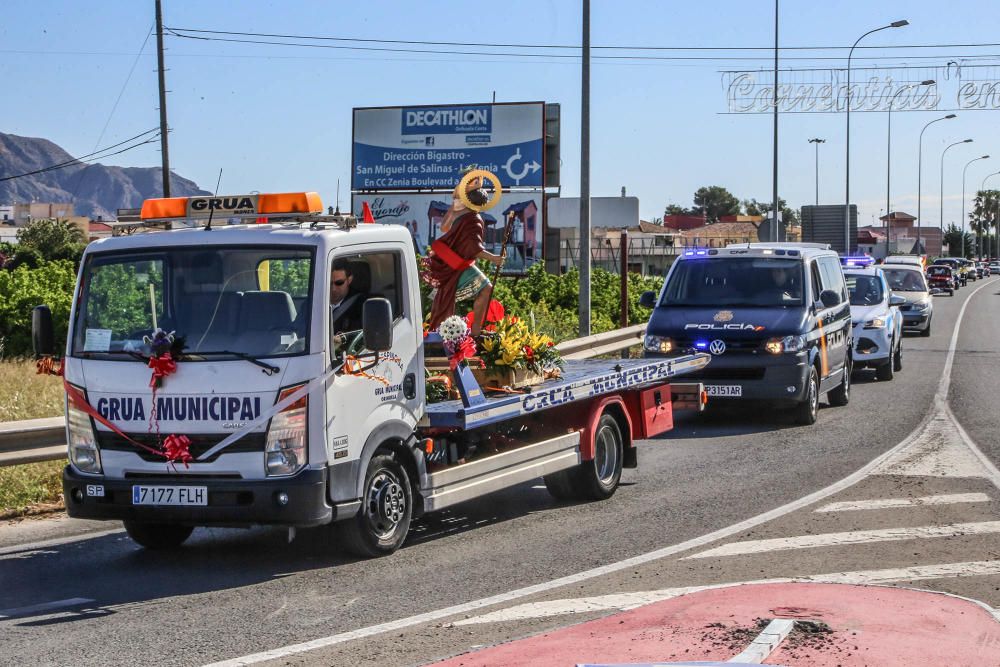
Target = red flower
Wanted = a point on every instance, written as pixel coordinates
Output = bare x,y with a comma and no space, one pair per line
470,318
495,311
528,352
550,343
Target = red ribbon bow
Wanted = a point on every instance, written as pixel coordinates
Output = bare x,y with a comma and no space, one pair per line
177,448
464,349
162,366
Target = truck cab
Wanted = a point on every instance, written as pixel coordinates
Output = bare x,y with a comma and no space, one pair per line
210,382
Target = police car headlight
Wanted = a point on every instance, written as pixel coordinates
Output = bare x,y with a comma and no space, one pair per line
286,438
876,323
660,344
83,451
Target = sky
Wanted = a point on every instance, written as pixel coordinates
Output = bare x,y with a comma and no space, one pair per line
278,118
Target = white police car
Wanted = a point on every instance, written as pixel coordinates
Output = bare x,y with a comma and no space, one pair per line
877,322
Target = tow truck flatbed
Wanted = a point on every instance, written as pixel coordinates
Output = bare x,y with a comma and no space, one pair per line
581,380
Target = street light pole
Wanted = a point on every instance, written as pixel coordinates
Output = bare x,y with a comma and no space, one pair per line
584,306
920,162
888,161
774,178
817,141
983,189
941,198
847,175
976,159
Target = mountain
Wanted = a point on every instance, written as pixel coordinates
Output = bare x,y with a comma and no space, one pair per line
94,189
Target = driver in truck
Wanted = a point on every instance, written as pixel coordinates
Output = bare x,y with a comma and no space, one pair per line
346,303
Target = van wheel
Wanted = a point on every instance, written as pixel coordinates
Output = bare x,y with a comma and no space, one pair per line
841,395
157,536
897,359
807,411
381,525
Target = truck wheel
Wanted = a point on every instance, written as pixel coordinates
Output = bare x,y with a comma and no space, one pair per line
807,411
383,521
598,479
841,395
560,485
156,536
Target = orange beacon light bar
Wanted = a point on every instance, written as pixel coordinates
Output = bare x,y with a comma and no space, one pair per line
228,206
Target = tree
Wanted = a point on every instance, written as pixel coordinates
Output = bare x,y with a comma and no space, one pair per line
788,215
714,201
674,209
953,239
985,212
53,239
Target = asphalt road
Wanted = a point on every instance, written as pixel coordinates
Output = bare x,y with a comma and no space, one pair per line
230,593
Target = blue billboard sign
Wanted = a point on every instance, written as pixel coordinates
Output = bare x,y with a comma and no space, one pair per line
427,147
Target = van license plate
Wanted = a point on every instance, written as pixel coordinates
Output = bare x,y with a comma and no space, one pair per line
169,495
723,390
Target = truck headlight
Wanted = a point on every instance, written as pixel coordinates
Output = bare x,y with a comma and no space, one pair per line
660,344
286,438
83,451
876,323
786,344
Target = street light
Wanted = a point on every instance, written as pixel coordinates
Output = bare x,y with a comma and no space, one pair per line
888,160
996,216
847,175
941,198
975,159
817,142
920,162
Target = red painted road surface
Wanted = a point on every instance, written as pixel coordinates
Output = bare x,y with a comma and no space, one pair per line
867,625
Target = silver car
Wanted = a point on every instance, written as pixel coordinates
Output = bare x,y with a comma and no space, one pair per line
909,282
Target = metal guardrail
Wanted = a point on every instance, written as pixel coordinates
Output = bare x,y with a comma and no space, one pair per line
35,440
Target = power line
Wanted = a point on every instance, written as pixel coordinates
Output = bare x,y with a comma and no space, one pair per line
571,46
99,155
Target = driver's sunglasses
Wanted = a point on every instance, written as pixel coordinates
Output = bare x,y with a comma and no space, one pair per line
339,283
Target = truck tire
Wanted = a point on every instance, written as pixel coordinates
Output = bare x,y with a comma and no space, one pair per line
381,525
560,485
841,395
807,411
598,478
157,536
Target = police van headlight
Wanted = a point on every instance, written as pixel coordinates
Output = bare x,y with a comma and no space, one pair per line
660,344
286,438
787,344
83,451
876,323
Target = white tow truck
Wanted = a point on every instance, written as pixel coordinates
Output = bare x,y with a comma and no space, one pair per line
265,414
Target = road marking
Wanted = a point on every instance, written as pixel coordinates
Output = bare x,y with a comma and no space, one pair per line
889,503
765,643
940,398
44,607
849,537
627,601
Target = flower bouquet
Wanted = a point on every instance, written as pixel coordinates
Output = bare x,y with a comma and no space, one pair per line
515,356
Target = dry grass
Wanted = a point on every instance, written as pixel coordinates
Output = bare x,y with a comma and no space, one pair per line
27,489
30,488
25,395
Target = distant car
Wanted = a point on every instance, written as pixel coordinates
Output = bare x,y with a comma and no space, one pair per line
877,322
984,269
942,277
961,274
909,282
910,260
994,267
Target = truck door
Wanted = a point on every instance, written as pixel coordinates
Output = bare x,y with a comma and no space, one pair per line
369,393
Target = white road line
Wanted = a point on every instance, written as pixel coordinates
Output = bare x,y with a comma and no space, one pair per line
889,503
626,601
44,607
850,537
940,398
765,643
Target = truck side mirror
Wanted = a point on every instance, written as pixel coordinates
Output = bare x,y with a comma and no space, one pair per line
42,336
376,318
829,298
648,300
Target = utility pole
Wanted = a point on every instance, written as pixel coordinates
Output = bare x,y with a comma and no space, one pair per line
164,152
584,308
774,176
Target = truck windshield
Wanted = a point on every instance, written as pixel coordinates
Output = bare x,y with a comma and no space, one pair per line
743,281
248,301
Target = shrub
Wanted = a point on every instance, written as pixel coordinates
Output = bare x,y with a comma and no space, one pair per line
23,288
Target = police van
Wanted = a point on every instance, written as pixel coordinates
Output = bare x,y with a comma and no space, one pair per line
210,382
776,319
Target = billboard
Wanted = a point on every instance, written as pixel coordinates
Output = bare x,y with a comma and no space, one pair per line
422,214
425,148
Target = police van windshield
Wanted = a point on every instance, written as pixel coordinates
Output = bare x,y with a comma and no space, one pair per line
741,281
245,301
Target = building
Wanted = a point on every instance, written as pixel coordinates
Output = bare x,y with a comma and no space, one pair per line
682,222
902,231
